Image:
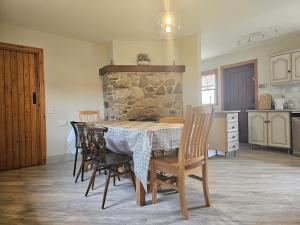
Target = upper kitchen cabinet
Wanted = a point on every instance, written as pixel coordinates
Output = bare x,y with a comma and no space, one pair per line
285,67
280,68
296,66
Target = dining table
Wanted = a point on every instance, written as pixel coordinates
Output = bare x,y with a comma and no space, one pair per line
139,139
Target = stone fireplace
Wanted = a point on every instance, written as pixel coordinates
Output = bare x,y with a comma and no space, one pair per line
142,92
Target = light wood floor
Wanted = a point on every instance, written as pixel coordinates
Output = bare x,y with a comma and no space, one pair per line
259,187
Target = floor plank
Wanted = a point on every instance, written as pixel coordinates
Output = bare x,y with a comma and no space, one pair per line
255,187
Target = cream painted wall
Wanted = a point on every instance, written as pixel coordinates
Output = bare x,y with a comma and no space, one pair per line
71,78
261,52
161,52
189,54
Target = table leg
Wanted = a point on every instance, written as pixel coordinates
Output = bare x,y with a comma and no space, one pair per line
140,192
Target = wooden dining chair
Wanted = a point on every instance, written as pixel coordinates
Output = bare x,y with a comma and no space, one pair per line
171,119
104,159
74,125
89,115
192,156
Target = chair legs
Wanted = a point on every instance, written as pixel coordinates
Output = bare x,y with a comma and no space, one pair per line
131,175
81,169
106,188
92,180
75,161
181,190
205,185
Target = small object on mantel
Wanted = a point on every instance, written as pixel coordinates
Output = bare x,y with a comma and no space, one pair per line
111,62
174,62
143,59
265,101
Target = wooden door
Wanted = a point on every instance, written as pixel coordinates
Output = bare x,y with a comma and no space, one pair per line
279,131
239,93
296,66
258,128
280,70
22,119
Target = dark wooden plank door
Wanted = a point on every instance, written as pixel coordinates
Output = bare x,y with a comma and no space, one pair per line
239,94
21,138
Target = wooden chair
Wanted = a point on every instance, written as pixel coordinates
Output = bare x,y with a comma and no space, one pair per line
77,142
89,115
170,119
109,161
192,156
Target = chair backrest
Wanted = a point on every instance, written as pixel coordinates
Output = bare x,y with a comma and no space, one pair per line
89,115
82,135
98,143
76,132
193,144
171,119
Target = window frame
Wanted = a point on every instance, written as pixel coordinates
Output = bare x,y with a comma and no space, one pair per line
207,73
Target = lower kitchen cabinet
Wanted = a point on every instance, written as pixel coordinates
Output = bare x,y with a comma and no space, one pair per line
224,133
269,128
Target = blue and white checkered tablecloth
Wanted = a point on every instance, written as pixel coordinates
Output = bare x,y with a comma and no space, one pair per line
138,139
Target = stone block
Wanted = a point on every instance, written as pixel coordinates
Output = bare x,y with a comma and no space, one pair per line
160,90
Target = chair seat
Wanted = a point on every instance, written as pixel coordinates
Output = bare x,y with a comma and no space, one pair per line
113,158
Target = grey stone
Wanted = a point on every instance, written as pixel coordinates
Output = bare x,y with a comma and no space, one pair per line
106,105
169,90
143,82
150,103
178,89
170,82
148,95
136,112
160,90
121,85
137,92
149,89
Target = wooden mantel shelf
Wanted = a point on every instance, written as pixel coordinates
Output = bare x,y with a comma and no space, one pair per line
141,68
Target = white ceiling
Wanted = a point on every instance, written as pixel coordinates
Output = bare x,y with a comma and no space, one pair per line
221,22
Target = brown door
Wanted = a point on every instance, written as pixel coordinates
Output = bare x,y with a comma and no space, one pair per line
22,127
239,94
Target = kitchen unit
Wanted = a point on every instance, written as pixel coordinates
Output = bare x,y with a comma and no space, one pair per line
224,133
285,67
270,128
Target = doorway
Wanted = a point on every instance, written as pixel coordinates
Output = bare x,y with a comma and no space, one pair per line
239,83
22,113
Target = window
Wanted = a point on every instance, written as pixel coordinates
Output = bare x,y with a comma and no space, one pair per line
209,87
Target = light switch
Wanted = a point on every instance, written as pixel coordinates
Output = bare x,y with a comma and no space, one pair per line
50,110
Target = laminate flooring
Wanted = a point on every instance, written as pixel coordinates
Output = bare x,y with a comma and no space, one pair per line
255,187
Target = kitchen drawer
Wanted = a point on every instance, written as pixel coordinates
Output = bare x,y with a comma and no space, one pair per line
232,117
233,145
232,126
233,136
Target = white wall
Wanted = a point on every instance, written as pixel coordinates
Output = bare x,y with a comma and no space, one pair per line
189,54
71,78
261,52
161,52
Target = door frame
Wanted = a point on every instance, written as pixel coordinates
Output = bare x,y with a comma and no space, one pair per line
41,90
248,62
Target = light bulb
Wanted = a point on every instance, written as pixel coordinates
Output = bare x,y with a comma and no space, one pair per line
168,29
168,21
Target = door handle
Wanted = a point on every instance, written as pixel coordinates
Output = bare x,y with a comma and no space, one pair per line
34,98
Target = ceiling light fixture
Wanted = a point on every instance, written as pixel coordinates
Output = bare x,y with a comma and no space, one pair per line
168,22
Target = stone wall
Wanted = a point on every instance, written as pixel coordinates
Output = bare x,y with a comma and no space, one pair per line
133,95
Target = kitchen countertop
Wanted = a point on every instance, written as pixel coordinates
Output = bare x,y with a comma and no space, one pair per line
229,111
274,110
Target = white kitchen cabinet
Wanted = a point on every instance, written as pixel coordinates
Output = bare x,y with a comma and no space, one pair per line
279,129
269,128
296,66
280,68
224,133
257,128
